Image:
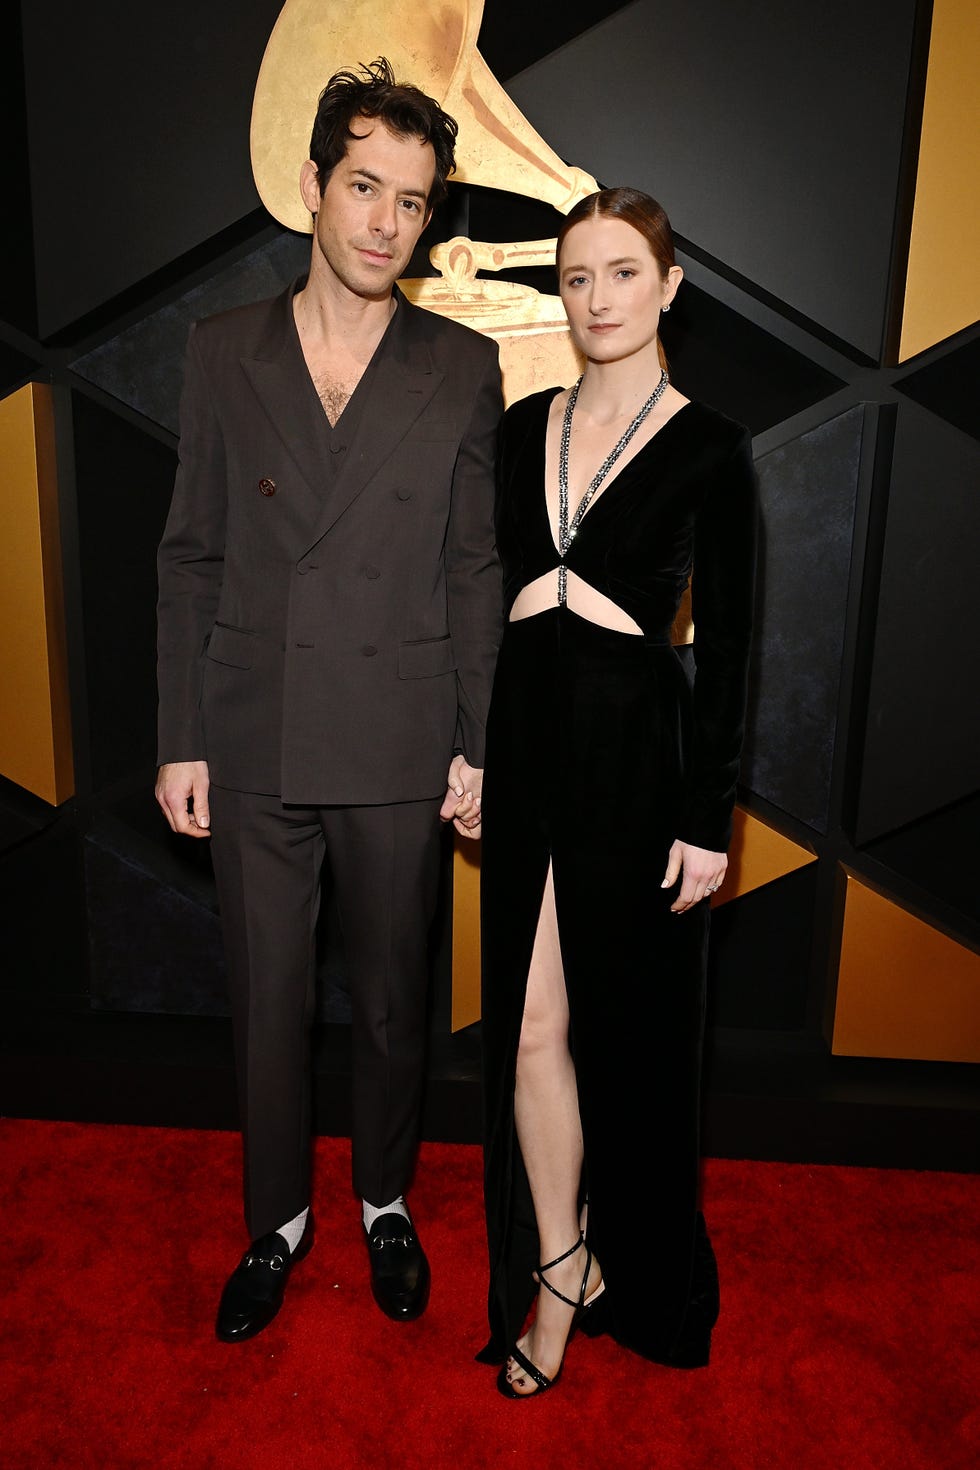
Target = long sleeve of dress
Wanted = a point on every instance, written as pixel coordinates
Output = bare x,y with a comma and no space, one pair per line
723,595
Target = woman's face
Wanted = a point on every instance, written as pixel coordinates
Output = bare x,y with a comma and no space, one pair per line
612,288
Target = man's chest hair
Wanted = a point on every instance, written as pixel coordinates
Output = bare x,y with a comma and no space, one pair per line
334,392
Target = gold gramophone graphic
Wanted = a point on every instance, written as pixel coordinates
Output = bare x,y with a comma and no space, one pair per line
433,46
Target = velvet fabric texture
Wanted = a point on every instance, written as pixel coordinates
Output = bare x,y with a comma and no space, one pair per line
599,755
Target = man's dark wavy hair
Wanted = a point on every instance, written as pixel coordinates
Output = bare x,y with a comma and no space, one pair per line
404,110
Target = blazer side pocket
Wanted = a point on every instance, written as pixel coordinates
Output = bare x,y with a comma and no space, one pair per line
426,659
231,646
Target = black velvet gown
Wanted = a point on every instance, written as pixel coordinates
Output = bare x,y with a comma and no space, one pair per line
599,755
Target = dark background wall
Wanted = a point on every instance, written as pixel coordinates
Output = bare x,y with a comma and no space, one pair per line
784,143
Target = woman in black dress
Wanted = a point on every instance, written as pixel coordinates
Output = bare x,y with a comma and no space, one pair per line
607,808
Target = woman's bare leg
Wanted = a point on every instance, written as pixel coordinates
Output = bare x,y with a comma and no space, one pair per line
550,1135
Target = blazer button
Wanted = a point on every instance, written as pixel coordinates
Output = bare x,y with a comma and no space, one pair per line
337,448
267,487
404,494
369,650
372,573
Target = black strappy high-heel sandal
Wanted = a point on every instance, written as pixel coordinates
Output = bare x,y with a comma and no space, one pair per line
580,1309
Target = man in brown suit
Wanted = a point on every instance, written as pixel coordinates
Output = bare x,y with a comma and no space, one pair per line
329,616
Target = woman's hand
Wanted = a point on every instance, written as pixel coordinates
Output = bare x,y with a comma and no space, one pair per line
462,805
704,873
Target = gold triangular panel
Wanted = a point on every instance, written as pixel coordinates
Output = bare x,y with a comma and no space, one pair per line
758,854
466,933
35,732
904,989
942,291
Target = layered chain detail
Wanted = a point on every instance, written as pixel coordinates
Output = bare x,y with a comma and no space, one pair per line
566,531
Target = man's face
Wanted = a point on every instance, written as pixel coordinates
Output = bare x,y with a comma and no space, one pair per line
373,209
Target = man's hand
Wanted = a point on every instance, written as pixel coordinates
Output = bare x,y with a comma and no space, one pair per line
704,873
462,805
182,791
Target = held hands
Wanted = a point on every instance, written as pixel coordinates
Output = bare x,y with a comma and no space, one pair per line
182,792
704,872
463,798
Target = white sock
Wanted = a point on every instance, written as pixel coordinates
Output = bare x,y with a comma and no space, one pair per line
293,1231
370,1213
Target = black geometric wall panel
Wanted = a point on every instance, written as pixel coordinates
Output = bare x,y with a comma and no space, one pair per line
758,958
152,947
17,304
15,368
808,490
22,816
722,358
922,745
938,854
950,386
514,36
143,365
43,913
138,122
124,483
742,121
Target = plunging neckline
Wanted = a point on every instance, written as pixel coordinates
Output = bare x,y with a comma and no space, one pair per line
609,484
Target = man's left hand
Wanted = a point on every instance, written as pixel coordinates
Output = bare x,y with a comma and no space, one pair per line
462,805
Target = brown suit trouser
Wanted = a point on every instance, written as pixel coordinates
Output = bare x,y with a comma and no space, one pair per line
384,862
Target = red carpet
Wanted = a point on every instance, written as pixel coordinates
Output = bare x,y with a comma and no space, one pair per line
848,1335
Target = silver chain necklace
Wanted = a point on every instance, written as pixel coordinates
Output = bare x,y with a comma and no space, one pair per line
566,532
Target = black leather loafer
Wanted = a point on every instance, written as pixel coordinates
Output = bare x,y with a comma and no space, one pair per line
399,1269
255,1289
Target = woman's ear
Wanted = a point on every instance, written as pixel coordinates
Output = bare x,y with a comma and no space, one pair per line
674,277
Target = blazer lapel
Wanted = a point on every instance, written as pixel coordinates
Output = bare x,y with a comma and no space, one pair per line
403,382
281,382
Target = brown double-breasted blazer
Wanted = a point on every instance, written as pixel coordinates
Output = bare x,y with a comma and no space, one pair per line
330,611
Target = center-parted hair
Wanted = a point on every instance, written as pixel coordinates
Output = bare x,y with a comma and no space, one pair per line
405,110
640,210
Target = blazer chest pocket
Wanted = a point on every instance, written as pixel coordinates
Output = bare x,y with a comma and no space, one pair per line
426,659
231,646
